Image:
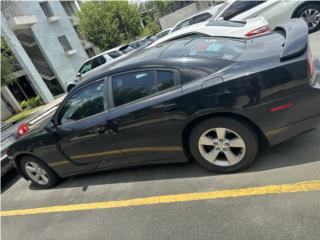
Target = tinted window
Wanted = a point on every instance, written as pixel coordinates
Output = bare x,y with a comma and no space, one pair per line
83,103
201,18
98,61
165,80
127,49
85,67
115,54
188,75
132,86
237,8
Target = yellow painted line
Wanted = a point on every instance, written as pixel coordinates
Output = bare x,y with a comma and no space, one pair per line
185,197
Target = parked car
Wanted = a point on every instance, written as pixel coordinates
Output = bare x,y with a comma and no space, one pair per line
275,11
162,33
216,99
237,29
197,18
95,62
10,132
143,42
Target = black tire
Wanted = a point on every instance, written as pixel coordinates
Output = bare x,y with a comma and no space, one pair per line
53,178
305,7
247,134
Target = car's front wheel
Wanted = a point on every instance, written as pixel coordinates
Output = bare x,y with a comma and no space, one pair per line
311,14
223,144
38,173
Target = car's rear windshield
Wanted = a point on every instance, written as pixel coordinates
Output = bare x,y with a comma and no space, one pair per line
208,47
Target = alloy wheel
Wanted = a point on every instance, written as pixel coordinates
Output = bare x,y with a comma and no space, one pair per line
221,147
312,17
37,173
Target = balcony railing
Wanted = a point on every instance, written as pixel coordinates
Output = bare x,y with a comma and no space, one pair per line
17,15
12,8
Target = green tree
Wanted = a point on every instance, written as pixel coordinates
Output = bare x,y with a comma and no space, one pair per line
7,67
108,23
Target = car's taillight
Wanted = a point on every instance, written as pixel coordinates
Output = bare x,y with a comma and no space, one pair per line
257,31
310,64
23,129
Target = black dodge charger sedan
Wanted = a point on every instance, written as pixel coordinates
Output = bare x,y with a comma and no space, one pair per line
213,99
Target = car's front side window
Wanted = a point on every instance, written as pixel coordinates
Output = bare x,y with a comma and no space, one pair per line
86,102
86,67
132,86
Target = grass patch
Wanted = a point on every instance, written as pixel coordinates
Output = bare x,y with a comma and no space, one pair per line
21,115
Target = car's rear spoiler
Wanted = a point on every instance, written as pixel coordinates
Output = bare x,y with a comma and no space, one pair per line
295,32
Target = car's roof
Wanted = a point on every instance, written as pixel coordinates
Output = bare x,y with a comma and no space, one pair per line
160,56
105,52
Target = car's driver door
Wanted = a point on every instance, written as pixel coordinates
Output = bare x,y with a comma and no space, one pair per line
81,132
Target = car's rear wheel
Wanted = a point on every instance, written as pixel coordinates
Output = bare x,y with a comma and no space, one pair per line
38,172
311,14
223,144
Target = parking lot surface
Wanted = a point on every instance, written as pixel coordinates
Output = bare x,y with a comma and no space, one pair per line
277,198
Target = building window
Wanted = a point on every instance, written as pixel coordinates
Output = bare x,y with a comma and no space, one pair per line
46,9
68,8
65,43
76,28
90,52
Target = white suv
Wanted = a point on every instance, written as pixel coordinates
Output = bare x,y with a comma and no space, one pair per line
95,63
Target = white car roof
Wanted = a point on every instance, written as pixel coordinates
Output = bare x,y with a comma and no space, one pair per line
217,28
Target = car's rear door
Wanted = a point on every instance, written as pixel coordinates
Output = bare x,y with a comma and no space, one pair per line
81,133
137,120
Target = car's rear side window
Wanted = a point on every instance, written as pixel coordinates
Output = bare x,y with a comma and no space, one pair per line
165,80
200,18
98,61
133,86
207,47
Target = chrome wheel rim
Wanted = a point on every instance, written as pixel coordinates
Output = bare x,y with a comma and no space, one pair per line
312,17
36,173
222,147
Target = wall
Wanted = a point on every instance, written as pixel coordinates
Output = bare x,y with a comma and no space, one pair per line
46,35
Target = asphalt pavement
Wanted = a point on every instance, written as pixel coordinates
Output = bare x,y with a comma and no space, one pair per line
277,198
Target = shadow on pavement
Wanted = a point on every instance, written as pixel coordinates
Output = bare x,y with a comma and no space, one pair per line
9,180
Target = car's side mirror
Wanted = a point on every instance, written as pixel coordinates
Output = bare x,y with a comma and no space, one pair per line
220,18
79,75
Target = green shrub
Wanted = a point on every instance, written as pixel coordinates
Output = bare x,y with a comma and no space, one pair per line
32,102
